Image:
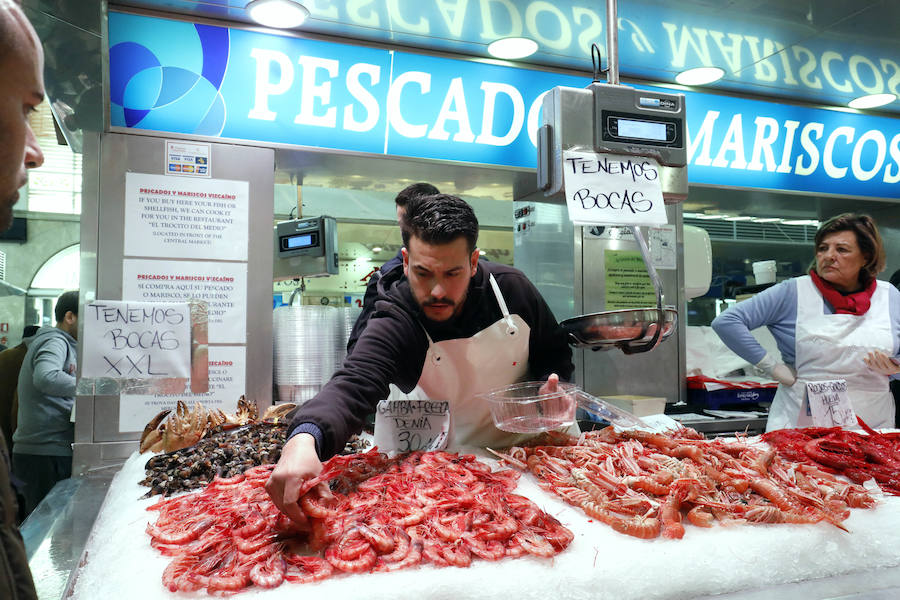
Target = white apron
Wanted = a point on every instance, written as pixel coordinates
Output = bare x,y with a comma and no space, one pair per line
457,370
833,347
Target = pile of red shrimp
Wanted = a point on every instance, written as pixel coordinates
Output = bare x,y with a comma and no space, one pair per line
856,456
381,515
642,484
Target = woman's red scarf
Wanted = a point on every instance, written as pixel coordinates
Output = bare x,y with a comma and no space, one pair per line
856,303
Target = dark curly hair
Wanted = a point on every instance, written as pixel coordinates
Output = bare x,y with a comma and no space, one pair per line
440,219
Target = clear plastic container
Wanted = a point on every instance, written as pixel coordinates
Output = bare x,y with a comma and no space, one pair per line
522,408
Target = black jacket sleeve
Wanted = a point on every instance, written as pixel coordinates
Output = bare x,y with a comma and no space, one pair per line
391,349
548,346
368,308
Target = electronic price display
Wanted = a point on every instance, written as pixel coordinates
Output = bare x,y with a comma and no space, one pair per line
627,119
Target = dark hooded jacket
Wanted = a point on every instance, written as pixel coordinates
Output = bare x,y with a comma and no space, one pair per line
392,348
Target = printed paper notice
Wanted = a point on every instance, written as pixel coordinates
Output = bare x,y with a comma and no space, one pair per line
187,159
226,384
829,404
627,283
168,217
661,241
609,189
222,285
136,340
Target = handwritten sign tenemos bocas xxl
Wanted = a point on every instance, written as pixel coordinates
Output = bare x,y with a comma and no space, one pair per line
136,340
610,189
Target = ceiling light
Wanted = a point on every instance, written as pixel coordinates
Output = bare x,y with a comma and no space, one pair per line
512,47
707,217
738,218
700,76
482,252
811,222
279,14
872,100
766,219
376,249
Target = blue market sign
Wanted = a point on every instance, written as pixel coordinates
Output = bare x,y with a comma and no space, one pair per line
179,77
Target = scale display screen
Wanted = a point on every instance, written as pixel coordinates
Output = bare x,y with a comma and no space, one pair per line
630,128
642,130
301,240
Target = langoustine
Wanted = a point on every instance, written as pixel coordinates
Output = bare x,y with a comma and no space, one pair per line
649,484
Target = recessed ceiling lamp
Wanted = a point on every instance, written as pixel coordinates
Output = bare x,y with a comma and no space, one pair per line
512,48
766,220
376,249
872,100
700,76
741,218
279,14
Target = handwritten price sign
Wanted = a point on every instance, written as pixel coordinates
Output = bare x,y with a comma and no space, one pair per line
609,189
409,425
136,340
829,404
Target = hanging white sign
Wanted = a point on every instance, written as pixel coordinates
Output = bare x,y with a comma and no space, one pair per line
136,340
610,189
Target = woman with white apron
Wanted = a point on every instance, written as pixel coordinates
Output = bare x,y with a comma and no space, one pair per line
837,322
456,371
834,346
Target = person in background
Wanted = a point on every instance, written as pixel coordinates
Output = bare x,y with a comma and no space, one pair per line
42,444
390,271
10,365
837,322
895,383
21,90
452,328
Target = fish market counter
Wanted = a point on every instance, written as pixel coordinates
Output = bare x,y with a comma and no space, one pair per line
738,562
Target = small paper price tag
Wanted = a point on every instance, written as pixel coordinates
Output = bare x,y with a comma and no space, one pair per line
409,425
829,403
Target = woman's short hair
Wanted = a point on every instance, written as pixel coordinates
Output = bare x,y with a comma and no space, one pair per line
867,237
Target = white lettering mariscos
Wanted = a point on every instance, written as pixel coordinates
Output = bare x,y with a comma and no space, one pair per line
786,146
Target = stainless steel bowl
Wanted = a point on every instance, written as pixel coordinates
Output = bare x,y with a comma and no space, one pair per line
624,328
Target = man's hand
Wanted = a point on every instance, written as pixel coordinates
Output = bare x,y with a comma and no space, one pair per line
298,462
551,386
881,363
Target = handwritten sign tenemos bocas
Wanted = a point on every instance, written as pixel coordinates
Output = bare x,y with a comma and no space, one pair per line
136,340
610,189
829,404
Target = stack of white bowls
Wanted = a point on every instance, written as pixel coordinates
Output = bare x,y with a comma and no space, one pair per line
309,344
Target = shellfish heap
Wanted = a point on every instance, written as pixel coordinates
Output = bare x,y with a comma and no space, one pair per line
224,453
856,456
640,483
381,515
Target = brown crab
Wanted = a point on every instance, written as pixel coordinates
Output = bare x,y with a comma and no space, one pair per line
181,429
